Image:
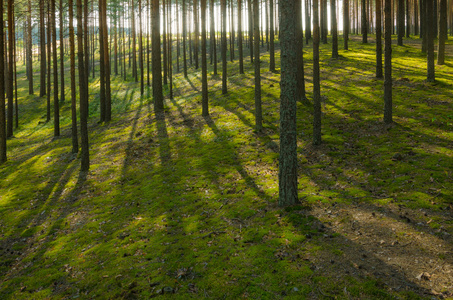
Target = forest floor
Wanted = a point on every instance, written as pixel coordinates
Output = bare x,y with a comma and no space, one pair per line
182,206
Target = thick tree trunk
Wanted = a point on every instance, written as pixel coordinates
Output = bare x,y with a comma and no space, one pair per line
83,88
388,62
400,22
287,176
333,18
213,43
62,96
316,78
56,104
258,110
364,23
346,24
42,40
378,40
300,55
442,32
75,142
430,40
204,64
3,149
271,37
224,47
241,54
157,68
29,51
11,58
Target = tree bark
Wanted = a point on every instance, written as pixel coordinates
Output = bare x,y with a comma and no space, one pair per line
56,104
3,149
75,142
157,67
258,110
62,96
333,18
287,176
213,43
83,88
241,54
430,40
364,23
346,24
388,62
204,64
316,78
42,40
184,36
300,55
29,51
271,37
442,32
250,13
224,47
10,87
378,40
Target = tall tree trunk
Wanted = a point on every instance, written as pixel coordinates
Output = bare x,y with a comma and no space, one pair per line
224,47
75,142
408,20
196,32
333,18
442,31
108,96
231,32
213,37
102,59
140,49
364,23
400,22
62,96
169,48
346,23
9,92
56,104
184,36
164,42
3,149
241,54
430,40
378,40
258,110
250,13
115,37
300,55
424,25
271,37
316,78
30,51
307,21
287,175
83,88
49,60
42,41
157,68
416,23
134,44
388,62
204,64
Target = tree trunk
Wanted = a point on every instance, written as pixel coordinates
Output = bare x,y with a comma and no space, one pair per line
364,23
346,24
10,87
250,13
442,32
213,37
204,64
378,40
62,96
56,104
300,54
408,20
29,51
287,176
134,44
430,40
102,69
224,47
271,37
388,62
184,36
258,111
307,21
83,88
108,96
75,142
49,61
3,149
241,54
316,79
157,68
333,18
400,22
42,40
140,49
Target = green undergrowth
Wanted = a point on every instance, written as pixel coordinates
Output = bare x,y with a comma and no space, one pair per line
189,203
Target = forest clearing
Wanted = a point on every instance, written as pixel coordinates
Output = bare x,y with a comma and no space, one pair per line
178,203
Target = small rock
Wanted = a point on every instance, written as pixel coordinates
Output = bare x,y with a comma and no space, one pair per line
295,289
168,290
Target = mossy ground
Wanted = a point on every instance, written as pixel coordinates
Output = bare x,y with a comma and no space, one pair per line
190,202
